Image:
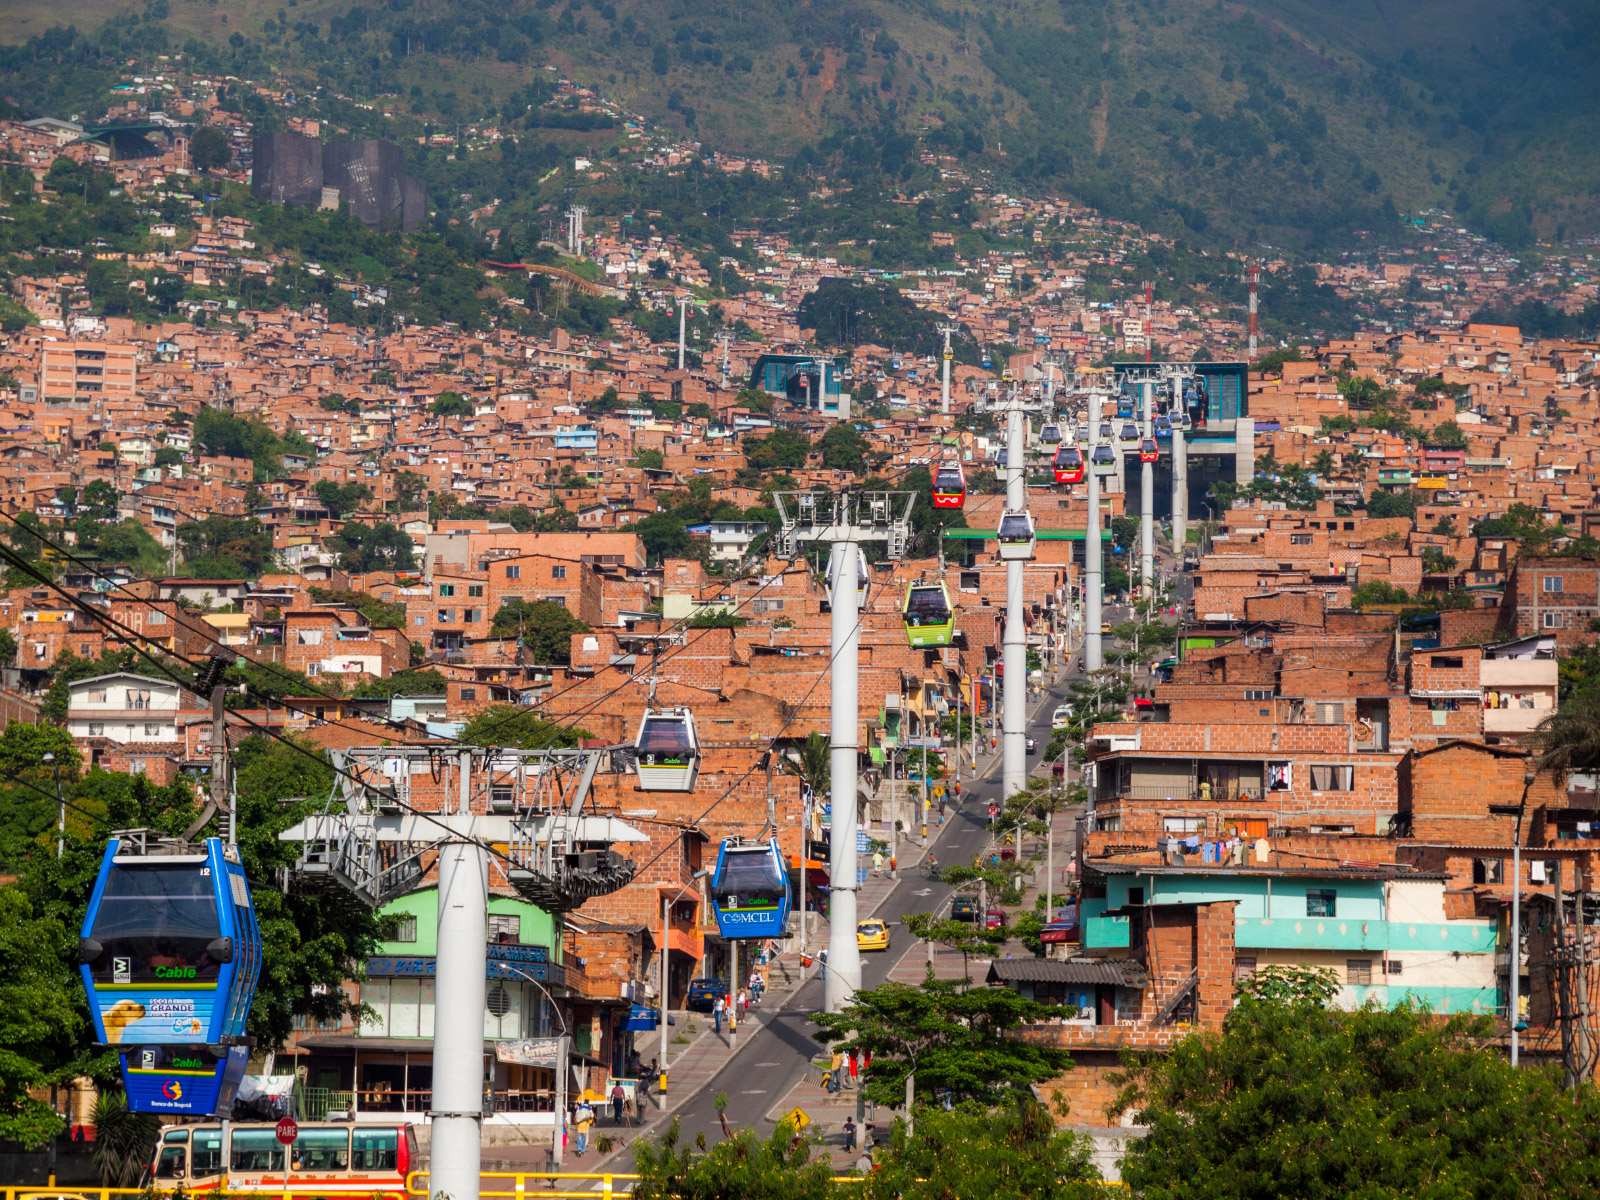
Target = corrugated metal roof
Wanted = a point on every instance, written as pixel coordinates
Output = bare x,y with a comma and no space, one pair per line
1120,972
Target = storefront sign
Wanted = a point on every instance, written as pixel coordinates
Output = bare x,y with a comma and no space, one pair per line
530,1052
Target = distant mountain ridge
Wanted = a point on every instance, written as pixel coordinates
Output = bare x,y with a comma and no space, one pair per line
1286,122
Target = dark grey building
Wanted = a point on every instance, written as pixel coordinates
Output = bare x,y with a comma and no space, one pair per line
286,168
369,175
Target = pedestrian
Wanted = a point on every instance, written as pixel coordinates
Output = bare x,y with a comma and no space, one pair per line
744,1004
822,965
849,1133
836,1072
582,1119
716,1014
877,862
618,1099
864,1164
855,1068
757,986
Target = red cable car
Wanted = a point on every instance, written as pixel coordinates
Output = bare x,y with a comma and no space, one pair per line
1148,451
949,485
1069,465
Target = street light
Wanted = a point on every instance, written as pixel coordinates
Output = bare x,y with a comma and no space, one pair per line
1514,959
666,907
61,806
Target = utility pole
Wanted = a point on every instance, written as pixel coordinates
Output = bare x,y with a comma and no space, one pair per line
844,520
1253,275
944,394
683,314
1093,658
1147,496
1014,763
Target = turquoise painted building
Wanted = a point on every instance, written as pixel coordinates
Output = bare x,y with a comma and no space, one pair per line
1384,935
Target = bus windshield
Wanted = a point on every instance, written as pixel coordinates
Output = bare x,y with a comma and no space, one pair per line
154,924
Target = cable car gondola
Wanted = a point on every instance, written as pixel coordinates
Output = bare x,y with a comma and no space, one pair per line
1104,460
667,751
1069,465
1000,460
1015,535
949,485
927,614
1050,435
169,953
1124,406
1130,432
750,890
1163,427
1148,451
1105,431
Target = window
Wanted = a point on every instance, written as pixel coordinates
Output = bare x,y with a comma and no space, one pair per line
308,637
1555,620
1135,897
559,571
405,930
207,1152
1445,662
1244,966
447,589
1394,966
1332,779
514,572
510,599
97,729
157,617
1321,902
1258,694
322,1150
471,616
138,697
371,1149
469,695
136,766
1299,539
474,591
1554,583
255,1151
558,600
419,619
447,616
1183,824
1488,870
505,927
1330,712
151,730
1358,972
98,695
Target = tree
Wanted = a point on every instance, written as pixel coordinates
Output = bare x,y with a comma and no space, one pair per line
1323,463
225,547
409,490
39,1022
1392,504
650,460
955,1041
815,763
743,1167
340,498
780,450
209,149
1521,520
968,937
508,726
382,546
1378,591
1017,1152
664,536
8,648
450,404
1294,1099
543,626
1447,435
1569,739
844,449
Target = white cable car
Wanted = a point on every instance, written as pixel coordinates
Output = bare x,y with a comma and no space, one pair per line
1050,435
1015,535
1130,432
1104,460
667,751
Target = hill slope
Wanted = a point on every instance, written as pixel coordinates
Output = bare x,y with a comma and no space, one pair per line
1288,122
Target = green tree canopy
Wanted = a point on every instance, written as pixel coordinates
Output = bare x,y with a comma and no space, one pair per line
543,626
780,450
209,149
509,726
1294,1099
225,547
450,404
382,546
340,498
1447,435
844,449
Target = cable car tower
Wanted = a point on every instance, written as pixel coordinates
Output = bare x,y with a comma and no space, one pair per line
399,812
844,520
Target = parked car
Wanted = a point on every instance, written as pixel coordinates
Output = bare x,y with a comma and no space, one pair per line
1061,716
964,908
1033,746
996,919
703,994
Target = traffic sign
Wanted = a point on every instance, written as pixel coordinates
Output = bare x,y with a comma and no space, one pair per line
798,1119
938,791
287,1131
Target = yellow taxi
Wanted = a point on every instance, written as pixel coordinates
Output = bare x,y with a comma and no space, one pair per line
1105,627
872,935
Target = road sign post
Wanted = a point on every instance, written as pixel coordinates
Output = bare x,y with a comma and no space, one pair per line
287,1131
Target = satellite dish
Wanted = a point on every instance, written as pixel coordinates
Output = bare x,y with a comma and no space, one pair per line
1178,860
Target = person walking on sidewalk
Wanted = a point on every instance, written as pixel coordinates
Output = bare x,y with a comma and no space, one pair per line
855,1068
618,1099
716,1013
583,1118
877,863
836,1072
850,1134
744,1004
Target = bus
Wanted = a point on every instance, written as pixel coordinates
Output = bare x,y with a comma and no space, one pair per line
340,1157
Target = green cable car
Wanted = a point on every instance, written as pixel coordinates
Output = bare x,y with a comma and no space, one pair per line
929,619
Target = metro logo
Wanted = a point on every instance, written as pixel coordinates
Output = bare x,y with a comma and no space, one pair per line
172,1090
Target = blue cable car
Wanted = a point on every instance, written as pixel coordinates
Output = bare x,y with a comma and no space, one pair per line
750,890
170,953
